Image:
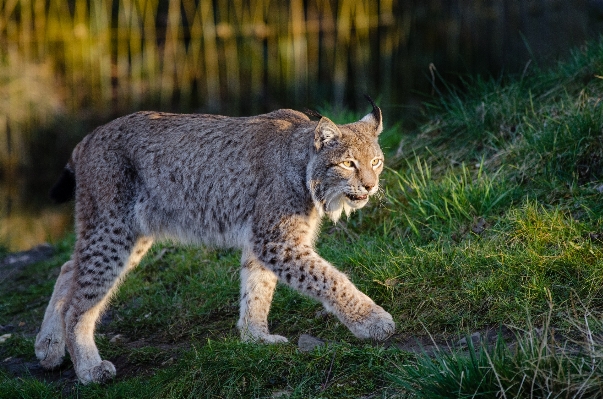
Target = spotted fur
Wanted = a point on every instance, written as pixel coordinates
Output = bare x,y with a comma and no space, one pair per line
258,183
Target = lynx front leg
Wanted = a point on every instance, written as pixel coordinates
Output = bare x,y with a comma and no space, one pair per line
303,269
257,289
50,341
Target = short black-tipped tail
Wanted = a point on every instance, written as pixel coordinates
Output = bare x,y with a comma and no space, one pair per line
64,189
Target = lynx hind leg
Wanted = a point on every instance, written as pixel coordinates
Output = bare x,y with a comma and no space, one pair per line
102,263
50,341
257,289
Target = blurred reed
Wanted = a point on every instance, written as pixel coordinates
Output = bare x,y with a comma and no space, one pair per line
70,56
68,65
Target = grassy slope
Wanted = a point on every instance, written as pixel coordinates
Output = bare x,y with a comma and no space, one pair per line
491,214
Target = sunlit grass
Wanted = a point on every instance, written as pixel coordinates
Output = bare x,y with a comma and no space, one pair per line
462,195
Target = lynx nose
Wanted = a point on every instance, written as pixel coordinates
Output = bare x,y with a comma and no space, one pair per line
369,187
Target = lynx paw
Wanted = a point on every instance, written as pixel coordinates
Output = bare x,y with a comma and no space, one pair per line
378,325
98,374
261,337
50,349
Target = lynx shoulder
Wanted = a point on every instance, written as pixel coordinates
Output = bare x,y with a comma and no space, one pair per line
261,184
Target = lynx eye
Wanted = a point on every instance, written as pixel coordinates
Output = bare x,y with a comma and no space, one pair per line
376,163
347,165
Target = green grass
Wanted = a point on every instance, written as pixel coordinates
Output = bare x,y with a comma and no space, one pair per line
490,215
535,365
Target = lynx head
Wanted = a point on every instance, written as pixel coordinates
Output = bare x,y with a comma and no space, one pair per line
344,169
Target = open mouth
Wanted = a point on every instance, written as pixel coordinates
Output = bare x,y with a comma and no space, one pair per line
353,197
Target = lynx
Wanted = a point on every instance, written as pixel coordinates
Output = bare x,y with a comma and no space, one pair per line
261,184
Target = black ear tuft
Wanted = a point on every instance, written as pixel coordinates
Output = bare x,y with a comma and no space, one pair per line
374,118
376,111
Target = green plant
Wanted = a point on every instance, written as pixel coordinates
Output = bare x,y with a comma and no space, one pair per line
440,205
536,363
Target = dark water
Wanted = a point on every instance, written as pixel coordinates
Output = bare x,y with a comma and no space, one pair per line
60,79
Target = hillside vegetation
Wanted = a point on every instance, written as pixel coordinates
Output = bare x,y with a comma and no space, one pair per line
490,219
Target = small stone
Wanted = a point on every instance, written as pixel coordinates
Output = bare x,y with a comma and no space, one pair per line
307,343
475,338
4,338
117,338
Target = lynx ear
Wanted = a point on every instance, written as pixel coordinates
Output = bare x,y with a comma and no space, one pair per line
374,117
325,133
